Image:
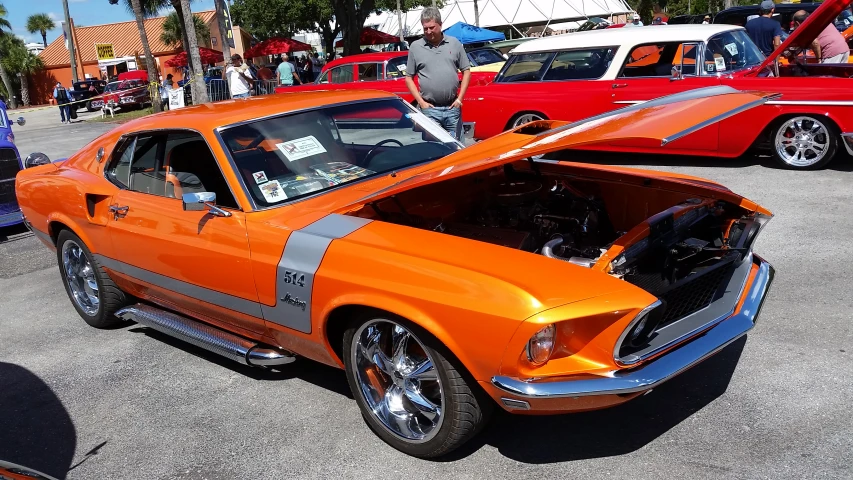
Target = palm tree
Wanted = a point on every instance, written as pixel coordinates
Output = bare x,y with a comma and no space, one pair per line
40,22
6,30
173,30
199,90
140,9
23,63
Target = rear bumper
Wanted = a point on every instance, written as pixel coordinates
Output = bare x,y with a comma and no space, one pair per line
655,372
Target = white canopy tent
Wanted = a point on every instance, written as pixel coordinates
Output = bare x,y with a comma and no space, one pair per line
517,14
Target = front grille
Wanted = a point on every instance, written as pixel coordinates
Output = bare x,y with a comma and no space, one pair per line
9,167
694,295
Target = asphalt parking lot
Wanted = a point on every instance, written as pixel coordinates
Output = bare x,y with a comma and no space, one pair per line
130,403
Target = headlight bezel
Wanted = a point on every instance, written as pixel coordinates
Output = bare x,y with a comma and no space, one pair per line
643,315
537,349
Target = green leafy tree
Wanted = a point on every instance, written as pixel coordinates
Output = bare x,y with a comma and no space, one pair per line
20,63
173,31
40,22
282,18
142,9
6,31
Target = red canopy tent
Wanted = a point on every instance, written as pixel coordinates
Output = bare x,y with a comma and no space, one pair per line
207,56
276,45
370,36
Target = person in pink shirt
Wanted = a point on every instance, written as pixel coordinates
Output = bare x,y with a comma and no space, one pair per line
829,46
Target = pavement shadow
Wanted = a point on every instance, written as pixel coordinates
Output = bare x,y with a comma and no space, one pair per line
613,431
842,162
323,376
36,430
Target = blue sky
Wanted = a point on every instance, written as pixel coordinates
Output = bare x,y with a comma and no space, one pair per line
84,13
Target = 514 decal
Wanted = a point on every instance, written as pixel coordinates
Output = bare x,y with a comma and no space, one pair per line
294,278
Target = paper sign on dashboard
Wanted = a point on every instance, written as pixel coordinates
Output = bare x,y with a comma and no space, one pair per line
721,64
301,148
272,191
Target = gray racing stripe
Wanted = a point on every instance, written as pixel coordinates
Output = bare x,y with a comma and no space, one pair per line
299,262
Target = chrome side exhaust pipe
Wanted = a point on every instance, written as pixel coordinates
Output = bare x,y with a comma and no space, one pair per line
210,338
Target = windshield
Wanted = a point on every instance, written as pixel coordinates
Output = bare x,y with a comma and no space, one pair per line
485,56
112,87
729,51
301,154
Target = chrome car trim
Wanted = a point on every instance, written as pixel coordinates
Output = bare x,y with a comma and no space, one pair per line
630,327
660,369
848,142
821,103
213,297
303,253
208,337
718,118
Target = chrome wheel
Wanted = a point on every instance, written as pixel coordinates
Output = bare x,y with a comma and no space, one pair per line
802,141
526,118
80,277
397,378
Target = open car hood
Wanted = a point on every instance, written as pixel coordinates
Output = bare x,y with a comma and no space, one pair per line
803,36
664,119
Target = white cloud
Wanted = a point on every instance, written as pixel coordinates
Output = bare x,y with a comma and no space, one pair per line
53,16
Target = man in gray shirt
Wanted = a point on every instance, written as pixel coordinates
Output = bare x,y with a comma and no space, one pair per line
437,59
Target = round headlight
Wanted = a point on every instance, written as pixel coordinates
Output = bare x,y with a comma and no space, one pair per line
541,345
35,159
638,329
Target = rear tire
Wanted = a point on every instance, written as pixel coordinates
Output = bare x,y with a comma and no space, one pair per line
89,106
804,142
91,291
524,118
415,398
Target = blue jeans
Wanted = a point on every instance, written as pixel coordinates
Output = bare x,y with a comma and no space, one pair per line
65,113
448,118
241,95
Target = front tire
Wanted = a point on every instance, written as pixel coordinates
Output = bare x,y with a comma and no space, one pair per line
804,142
94,295
409,392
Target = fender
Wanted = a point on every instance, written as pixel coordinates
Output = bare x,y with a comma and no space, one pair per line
71,225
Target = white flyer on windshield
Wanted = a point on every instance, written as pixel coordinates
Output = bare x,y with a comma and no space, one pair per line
272,191
721,64
300,148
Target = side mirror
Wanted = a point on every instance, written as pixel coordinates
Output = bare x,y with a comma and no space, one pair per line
35,159
201,201
676,73
21,121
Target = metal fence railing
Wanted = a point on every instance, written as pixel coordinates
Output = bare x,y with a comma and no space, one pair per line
217,89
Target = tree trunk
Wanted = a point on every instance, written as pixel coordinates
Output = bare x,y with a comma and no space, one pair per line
199,90
150,65
25,90
44,38
179,10
223,35
8,83
476,14
353,22
329,35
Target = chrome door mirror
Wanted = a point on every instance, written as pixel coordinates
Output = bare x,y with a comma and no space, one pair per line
35,159
201,201
21,121
676,73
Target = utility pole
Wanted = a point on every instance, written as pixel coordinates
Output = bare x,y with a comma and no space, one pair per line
400,20
70,38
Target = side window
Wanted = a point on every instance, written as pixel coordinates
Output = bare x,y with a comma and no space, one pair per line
369,72
190,167
396,68
657,60
324,77
169,165
580,64
342,74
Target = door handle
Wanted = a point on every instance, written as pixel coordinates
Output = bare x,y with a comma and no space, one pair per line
118,211
620,85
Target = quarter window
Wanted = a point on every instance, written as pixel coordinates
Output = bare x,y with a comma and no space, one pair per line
342,74
527,67
396,68
169,165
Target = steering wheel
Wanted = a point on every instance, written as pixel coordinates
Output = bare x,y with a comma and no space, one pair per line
256,142
369,155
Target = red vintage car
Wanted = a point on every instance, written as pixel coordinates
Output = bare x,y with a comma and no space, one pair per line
383,71
574,76
131,93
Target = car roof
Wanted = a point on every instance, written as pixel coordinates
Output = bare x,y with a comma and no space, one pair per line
210,116
623,36
365,57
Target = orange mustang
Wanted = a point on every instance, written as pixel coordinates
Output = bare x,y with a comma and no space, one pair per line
346,228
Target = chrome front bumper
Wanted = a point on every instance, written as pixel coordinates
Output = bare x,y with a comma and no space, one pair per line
662,368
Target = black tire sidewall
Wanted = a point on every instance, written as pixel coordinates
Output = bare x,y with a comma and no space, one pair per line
64,237
434,446
833,137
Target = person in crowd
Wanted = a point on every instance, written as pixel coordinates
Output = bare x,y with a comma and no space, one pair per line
239,77
317,63
765,32
287,73
658,21
309,69
169,83
635,21
62,97
658,13
829,46
706,20
436,59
